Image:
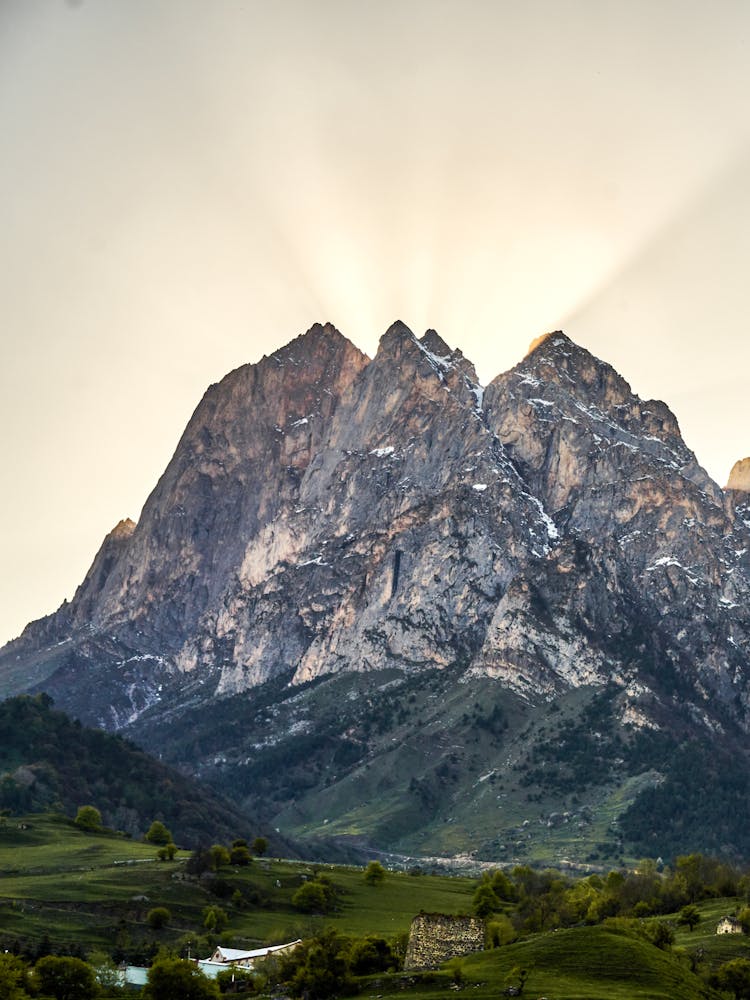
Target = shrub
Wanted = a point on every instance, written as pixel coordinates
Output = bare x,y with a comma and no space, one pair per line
176,979
158,917
158,833
88,818
374,873
65,978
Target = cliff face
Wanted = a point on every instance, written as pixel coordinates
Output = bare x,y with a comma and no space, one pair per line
327,515
662,549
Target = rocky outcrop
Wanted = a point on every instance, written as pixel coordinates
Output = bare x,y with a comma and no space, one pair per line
739,477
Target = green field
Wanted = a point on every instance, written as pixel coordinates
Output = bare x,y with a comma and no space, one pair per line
95,891
75,886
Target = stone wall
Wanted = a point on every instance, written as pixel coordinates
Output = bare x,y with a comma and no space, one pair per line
435,938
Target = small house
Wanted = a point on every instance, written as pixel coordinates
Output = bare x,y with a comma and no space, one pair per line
233,958
728,925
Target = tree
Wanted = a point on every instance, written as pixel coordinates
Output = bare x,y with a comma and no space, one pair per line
219,856
311,898
317,896
215,919
177,979
105,971
237,980
13,976
65,978
372,954
167,852
502,886
500,931
374,873
484,900
158,917
735,976
240,855
322,968
689,916
260,846
158,833
662,935
88,818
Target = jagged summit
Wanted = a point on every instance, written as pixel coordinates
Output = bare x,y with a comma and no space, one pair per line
123,529
333,519
739,477
320,339
434,343
538,341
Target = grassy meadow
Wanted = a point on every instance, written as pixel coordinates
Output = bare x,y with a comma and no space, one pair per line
95,891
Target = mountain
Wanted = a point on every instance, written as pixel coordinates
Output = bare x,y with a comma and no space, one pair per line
380,601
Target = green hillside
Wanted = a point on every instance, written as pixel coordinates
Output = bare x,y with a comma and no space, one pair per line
424,766
96,890
50,762
588,963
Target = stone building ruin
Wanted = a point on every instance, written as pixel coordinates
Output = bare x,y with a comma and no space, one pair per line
435,938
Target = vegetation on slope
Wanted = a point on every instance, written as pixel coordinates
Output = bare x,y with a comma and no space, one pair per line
48,761
422,765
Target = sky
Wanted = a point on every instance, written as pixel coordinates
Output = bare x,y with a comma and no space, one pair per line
189,184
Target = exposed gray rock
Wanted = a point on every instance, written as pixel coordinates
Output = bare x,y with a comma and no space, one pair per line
326,514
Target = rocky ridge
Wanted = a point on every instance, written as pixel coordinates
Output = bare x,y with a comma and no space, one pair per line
328,515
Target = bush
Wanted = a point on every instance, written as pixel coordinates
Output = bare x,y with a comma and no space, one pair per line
372,954
500,931
13,977
311,898
158,834
318,896
215,919
219,856
374,873
88,818
484,901
177,979
65,978
240,855
158,917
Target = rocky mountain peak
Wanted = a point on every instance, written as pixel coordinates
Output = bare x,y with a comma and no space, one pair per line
329,516
319,337
358,566
544,337
434,343
556,360
739,477
123,529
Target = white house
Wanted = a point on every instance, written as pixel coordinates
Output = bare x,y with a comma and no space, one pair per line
232,958
728,925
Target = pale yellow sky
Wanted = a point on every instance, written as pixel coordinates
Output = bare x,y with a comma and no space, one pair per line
188,184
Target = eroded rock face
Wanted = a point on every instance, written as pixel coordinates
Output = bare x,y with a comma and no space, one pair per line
325,513
739,477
